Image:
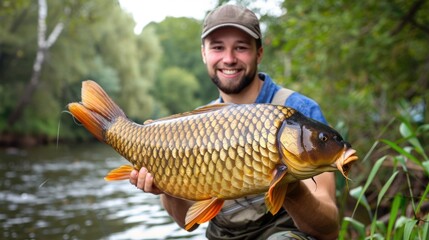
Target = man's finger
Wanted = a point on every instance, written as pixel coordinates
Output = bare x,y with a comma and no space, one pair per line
141,179
133,177
148,183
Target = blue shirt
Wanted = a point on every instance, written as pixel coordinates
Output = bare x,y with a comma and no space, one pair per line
301,103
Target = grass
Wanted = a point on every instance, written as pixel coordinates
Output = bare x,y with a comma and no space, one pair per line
394,195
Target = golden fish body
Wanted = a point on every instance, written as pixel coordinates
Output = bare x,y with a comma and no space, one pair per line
217,152
226,152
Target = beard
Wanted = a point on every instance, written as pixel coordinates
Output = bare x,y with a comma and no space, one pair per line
235,87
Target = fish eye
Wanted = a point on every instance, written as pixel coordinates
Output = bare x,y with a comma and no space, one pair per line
323,137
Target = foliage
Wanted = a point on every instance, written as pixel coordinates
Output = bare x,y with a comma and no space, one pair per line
363,56
403,197
358,59
177,91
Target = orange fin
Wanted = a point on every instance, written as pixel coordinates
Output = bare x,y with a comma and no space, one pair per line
120,173
96,99
96,111
93,122
148,121
202,211
275,196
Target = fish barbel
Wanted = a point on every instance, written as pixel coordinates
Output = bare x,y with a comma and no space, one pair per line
217,152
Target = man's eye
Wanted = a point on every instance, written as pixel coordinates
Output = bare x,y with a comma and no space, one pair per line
241,48
217,48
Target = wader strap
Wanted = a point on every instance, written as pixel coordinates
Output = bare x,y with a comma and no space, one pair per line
281,95
216,101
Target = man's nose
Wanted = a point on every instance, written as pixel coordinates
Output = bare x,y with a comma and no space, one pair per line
229,57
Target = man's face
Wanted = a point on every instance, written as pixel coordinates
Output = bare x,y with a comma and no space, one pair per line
231,58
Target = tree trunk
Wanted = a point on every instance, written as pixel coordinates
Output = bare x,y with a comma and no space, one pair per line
43,46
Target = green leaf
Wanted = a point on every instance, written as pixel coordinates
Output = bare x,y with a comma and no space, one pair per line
408,229
360,227
405,130
371,176
400,222
358,194
385,187
376,224
416,144
375,236
381,227
402,151
425,166
423,128
393,214
425,227
423,199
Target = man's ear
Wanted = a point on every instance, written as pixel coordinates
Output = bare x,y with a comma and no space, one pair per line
203,54
260,54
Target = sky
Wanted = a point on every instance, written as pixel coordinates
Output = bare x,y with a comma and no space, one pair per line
146,11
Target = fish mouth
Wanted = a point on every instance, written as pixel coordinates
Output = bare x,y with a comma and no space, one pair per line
345,161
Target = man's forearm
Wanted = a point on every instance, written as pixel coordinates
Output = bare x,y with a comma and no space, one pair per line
313,213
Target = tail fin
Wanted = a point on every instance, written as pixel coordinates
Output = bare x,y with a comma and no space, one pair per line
96,111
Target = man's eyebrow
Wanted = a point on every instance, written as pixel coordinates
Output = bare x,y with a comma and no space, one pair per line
214,41
244,41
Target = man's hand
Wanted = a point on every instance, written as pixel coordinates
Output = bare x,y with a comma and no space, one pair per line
144,180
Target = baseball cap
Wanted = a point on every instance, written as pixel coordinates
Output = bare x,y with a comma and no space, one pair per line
232,16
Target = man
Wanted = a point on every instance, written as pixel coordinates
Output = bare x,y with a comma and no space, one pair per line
232,49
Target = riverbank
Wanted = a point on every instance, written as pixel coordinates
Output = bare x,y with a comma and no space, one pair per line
28,140
24,140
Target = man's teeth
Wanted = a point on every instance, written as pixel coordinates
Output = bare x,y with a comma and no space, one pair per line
229,71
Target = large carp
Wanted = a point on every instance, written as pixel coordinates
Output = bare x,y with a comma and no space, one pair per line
217,152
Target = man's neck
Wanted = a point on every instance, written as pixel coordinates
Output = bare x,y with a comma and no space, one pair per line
247,95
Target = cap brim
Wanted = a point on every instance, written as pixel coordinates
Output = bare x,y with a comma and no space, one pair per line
247,30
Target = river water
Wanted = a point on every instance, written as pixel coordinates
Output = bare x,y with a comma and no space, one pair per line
59,192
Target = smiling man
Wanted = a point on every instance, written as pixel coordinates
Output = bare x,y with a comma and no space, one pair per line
232,49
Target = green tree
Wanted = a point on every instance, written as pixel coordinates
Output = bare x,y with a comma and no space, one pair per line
181,41
44,43
177,91
97,43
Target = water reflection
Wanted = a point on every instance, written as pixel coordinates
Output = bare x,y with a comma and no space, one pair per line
60,193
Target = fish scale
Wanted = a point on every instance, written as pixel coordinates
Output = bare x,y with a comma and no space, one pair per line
225,148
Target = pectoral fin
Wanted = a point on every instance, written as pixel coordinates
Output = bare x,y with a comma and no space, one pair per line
202,212
275,196
120,173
